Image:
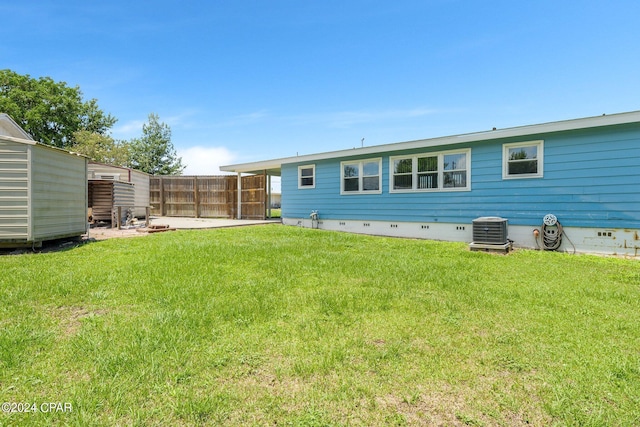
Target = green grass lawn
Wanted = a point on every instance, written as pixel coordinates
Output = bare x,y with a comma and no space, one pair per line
275,325
276,213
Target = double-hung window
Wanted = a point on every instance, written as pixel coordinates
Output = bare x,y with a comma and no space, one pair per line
447,170
307,176
522,160
454,170
361,176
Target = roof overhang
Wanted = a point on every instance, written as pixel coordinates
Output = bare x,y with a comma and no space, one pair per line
273,167
44,146
12,132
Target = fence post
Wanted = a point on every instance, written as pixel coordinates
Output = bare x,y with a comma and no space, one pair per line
228,188
239,207
196,198
161,187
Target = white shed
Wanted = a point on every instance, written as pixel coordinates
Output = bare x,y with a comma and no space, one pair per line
43,190
139,179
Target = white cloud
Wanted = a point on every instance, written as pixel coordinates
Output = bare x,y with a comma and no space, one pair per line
205,160
131,129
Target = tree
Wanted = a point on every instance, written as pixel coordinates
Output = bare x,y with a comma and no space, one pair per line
101,148
50,111
153,153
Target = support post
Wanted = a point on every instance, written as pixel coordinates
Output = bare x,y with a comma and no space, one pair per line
268,195
147,214
161,185
119,219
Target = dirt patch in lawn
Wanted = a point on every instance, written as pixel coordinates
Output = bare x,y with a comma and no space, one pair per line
104,233
70,317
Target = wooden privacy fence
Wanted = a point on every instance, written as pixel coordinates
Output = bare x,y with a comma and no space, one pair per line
208,196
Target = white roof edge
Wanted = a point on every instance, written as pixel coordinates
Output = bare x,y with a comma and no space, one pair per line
36,143
28,139
93,162
559,126
20,140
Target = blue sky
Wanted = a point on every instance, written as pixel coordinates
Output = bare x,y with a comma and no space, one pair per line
240,81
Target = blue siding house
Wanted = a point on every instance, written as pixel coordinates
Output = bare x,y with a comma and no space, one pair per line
585,172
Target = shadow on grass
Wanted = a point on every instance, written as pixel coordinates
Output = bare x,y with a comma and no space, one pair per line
58,245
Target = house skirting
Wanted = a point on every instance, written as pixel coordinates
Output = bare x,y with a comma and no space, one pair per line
610,241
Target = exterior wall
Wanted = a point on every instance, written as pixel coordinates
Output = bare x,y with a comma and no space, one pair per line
591,181
14,191
141,191
58,194
94,169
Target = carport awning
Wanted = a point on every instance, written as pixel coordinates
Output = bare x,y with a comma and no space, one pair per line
268,167
271,167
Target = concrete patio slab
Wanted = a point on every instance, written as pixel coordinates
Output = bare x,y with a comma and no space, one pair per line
182,223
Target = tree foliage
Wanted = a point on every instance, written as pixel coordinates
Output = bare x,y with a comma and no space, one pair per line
101,148
154,153
51,112
56,114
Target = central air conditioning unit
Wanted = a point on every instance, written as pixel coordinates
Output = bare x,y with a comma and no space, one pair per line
490,234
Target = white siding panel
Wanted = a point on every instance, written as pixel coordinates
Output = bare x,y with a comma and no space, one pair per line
14,191
123,195
59,188
141,182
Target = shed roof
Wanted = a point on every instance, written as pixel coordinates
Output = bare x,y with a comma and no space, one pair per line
11,131
8,127
124,168
273,166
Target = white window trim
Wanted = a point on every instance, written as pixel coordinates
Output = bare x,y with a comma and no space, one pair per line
306,187
414,172
361,176
540,159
